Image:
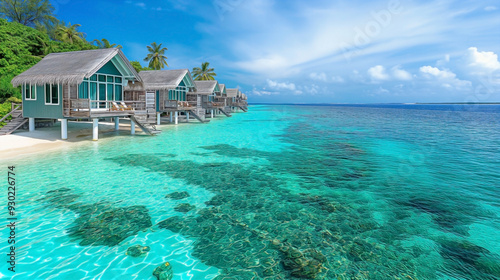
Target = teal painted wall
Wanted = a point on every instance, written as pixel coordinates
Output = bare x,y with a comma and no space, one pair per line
109,68
38,109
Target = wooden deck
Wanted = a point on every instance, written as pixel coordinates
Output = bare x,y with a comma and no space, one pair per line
84,108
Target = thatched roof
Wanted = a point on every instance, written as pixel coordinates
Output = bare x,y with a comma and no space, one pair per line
73,67
232,92
163,79
205,87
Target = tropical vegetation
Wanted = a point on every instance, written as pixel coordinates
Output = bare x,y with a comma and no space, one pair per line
138,67
204,73
70,34
156,56
105,44
28,12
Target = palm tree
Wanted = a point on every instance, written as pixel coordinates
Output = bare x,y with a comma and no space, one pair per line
156,57
204,73
104,44
69,33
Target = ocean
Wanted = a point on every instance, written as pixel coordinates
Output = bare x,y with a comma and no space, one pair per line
281,192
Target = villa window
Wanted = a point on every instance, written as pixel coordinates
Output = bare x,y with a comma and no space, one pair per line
51,94
29,92
101,87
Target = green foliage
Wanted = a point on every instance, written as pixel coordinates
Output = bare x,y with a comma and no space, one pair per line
138,67
104,44
156,57
28,12
21,47
204,73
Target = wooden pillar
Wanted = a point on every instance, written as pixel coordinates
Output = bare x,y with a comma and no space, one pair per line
64,129
211,113
95,129
117,123
158,119
171,117
31,124
187,116
176,117
132,127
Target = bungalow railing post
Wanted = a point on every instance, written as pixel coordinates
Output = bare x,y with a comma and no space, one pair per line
132,127
95,129
31,124
64,129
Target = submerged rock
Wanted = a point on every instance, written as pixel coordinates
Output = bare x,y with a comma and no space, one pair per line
163,272
177,195
137,251
108,226
184,207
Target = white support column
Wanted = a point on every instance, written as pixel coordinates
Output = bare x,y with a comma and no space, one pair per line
132,127
64,129
117,123
171,117
212,114
31,124
176,117
187,116
158,119
95,129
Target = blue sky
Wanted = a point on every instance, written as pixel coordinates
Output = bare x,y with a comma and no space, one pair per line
315,51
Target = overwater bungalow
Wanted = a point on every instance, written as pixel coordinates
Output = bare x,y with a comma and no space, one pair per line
81,85
222,98
209,91
235,100
171,92
244,100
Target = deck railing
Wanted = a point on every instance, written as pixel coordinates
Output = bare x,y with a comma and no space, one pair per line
85,107
179,105
212,105
14,108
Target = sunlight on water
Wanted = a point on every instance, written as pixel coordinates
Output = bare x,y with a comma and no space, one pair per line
281,192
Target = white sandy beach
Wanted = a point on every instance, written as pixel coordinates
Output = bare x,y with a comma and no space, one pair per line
23,142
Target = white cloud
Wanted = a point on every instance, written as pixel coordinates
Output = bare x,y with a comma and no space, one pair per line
433,71
483,62
490,8
337,79
401,74
378,73
318,76
262,92
445,77
324,78
279,86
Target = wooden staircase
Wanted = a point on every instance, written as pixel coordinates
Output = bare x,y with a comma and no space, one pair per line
225,113
192,112
16,122
243,108
144,126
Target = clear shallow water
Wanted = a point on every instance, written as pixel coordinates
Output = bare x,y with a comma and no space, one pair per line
324,192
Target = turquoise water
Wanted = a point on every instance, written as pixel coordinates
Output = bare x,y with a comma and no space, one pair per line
281,192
